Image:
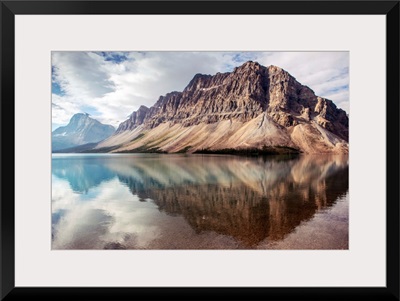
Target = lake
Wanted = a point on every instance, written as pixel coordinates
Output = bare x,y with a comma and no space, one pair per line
178,201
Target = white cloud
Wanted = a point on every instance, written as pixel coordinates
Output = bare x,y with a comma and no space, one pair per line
63,107
81,74
114,215
111,85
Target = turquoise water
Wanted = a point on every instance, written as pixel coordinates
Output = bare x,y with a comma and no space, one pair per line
159,201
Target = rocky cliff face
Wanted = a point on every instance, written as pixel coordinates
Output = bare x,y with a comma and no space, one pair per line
137,118
253,107
81,129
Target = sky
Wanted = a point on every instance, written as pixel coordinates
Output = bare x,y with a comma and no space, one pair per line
111,85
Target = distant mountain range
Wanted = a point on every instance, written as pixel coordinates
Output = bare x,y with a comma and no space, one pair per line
252,109
80,130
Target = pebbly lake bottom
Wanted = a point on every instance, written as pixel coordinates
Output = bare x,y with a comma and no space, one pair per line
160,201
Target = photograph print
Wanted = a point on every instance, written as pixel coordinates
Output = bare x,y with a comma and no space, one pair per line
200,150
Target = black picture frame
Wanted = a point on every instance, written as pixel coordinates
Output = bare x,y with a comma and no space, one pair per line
9,9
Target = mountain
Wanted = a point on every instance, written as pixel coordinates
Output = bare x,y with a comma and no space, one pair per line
252,109
80,130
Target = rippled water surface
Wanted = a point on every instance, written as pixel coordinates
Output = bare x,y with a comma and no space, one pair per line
157,201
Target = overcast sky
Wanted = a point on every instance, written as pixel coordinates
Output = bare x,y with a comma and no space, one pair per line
111,85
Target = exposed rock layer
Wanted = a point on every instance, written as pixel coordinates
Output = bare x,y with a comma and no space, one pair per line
253,107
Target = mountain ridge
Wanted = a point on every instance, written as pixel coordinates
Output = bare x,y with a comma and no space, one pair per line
80,130
252,107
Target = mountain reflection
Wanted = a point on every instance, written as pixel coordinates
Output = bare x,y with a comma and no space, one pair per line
252,200
249,199
81,173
